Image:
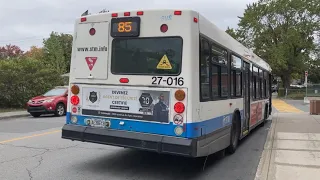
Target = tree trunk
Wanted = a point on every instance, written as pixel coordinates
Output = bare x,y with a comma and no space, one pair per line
286,80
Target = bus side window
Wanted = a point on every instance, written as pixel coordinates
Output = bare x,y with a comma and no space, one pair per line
204,70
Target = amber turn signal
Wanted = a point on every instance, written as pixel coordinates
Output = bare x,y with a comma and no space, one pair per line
75,89
180,95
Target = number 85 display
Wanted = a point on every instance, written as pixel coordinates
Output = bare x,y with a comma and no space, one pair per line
124,27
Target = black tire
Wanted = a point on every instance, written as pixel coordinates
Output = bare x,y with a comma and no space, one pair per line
35,114
235,133
60,110
265,116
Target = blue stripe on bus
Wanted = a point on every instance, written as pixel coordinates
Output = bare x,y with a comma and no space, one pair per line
193,130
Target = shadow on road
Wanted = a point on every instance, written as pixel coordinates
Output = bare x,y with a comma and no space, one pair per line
134,164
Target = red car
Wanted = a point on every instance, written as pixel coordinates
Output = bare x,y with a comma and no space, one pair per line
52,102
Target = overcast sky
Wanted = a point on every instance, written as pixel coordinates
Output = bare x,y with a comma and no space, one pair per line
27,22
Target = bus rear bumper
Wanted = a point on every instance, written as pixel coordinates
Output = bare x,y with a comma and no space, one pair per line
150,142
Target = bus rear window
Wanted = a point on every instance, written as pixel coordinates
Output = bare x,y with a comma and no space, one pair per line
141,56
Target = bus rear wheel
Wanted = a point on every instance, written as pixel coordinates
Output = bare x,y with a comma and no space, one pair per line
235,133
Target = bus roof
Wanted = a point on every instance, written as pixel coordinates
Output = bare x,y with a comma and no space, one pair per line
209,29
225,40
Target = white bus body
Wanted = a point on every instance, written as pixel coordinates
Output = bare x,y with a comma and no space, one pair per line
116,80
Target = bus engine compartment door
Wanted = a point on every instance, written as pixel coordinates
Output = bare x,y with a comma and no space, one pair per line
91,50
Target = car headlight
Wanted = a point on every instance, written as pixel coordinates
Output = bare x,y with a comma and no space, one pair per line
30,101
48,100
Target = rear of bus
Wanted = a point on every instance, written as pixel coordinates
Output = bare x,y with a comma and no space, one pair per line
130,80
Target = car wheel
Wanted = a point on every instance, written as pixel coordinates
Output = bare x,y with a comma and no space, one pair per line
235,133
35,114
60,110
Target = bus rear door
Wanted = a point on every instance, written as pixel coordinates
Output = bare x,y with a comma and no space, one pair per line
91,42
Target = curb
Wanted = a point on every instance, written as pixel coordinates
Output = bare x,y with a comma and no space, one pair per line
13,116
264,163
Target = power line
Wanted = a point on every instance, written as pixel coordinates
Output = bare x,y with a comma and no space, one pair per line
32,38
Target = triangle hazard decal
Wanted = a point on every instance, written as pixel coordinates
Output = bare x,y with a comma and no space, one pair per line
91,61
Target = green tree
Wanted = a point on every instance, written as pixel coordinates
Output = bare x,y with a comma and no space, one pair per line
232,32
57,51
281,32
24,78
35,53
314,66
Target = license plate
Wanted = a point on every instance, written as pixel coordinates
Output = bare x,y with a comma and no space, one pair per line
97,123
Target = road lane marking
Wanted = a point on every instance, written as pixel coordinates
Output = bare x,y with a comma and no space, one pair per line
282,106
28,137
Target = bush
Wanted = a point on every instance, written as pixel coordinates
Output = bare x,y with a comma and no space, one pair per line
297,96
281,92
22,79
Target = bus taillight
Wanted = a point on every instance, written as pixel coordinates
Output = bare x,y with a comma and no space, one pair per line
177,12
124,80
75,100
92,31
126,14
114,15
179,107
75,89
140,13
195,20
164,28
180,95
83,19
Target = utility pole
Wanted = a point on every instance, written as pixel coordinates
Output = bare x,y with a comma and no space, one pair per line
306,81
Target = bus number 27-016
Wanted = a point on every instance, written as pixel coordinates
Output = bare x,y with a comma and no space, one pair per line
176,81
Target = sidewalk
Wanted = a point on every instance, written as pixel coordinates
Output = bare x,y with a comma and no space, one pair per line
292,148
13,114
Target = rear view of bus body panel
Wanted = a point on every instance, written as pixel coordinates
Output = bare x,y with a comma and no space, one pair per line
129,117
184,144
178,25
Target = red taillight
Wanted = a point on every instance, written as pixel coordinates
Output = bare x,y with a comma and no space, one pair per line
114,14
124,80
92,31
126,14
195,20
140,13
177,12
164,28
75,100
83,19
179,107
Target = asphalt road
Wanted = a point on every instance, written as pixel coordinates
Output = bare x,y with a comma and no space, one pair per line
32,148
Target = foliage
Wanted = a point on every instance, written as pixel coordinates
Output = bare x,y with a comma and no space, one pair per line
281,92
57,51
293,93
314,64
35,53
232,32
297,96
281,32
10,51
25,78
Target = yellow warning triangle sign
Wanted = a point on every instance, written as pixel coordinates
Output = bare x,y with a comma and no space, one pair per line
164,63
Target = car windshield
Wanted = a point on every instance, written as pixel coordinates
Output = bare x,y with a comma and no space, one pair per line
147,56
55,92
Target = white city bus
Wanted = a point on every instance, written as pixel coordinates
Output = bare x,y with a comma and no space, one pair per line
167,81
